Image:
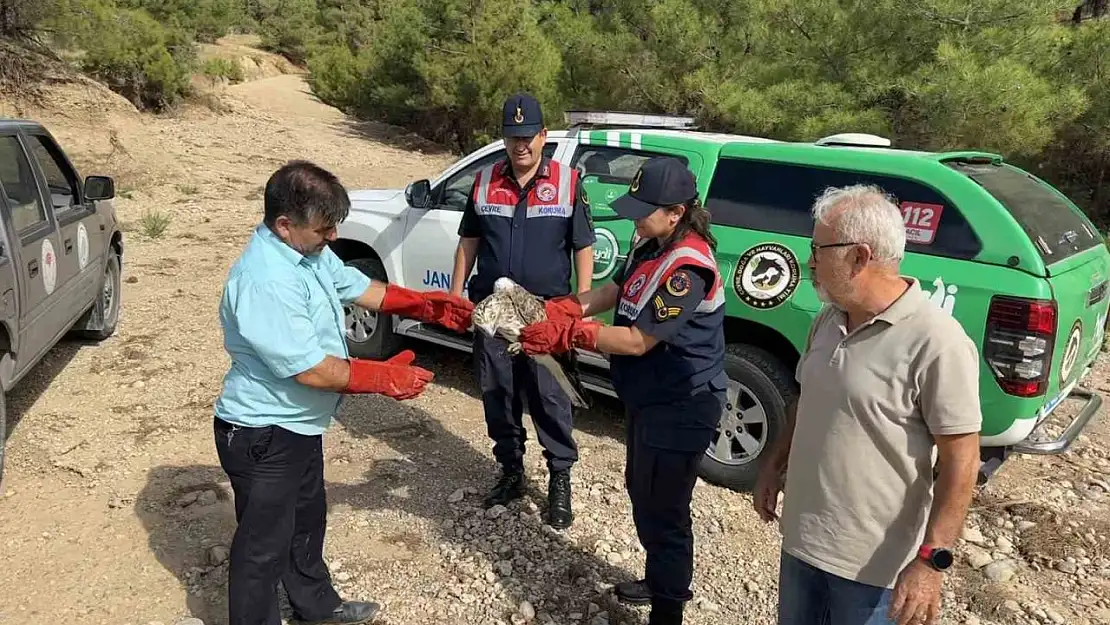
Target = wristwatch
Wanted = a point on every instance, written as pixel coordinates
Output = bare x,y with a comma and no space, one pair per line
938,557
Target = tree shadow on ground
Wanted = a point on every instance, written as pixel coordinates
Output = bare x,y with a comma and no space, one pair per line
186,510
454,369
28,390
435,463
393,136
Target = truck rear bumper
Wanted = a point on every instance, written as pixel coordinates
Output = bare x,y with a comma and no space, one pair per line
1093,401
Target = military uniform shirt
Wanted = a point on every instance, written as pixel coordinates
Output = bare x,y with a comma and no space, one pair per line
530,247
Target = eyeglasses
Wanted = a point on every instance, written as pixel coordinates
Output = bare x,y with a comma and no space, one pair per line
813,247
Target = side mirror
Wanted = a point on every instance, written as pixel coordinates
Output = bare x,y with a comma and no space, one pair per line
99,188
418,194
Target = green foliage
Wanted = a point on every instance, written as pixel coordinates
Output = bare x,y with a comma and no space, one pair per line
147,63
1012,76
19,18
223,69
1019,77
288,27
206,20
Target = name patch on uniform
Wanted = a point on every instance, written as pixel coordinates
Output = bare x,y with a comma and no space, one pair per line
550,210
627,309
494,210
679,283
664,312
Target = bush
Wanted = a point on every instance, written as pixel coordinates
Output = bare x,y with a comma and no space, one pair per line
223,69
20,17
147,63
205,20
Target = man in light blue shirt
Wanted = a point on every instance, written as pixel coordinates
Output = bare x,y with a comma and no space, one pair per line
282,315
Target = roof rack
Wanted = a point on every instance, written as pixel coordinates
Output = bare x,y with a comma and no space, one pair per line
578,119
856,139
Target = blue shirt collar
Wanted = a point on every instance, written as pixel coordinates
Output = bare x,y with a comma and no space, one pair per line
275,243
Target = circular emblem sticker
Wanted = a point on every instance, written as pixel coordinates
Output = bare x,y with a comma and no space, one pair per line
1071,351
678,284
605,254
766,275
545,192
49,266
82,245
636,285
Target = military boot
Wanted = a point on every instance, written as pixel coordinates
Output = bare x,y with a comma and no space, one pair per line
559,515
635,592
665,612
508,488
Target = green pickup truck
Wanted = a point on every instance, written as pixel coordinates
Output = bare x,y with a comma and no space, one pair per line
1011,258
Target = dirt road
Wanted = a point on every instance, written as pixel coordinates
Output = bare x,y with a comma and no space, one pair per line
115,510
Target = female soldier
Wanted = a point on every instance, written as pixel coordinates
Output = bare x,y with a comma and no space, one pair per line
667,366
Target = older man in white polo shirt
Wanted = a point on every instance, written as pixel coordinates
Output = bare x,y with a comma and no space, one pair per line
889,383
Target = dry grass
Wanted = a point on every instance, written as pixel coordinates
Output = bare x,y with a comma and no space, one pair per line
1054,539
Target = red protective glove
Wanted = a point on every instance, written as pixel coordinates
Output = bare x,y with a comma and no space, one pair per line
559,335
450,311
395,378
566,306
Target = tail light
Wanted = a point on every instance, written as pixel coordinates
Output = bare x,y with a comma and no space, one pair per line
1019,340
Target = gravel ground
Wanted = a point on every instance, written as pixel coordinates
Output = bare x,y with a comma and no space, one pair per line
116,511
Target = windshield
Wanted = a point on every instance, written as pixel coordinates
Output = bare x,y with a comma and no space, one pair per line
1056,228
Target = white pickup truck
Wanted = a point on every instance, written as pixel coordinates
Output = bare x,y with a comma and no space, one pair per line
408,237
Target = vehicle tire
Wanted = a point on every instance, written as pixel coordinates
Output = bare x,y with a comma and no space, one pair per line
107,301
3,433
369,335
760,388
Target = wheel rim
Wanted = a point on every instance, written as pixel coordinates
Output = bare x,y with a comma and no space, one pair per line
361,323
742,433
108,293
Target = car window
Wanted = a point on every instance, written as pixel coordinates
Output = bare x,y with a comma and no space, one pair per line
611,165
1057,230
60,178
19,185
607,171
776,197
455,191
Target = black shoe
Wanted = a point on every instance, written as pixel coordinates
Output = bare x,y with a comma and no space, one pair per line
665,612
636,593
559,515
348,613
508,488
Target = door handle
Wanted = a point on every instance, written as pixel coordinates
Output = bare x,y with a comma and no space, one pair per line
33,266
69,245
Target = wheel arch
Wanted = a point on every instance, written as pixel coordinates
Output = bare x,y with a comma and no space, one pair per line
7,359
740,330
116,243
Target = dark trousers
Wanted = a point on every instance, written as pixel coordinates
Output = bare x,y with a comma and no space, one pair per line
506,381
281,510
661,470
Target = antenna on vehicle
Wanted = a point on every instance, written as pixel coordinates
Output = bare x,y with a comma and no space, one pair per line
582,119
856,139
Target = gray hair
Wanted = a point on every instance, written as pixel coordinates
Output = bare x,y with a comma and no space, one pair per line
864,214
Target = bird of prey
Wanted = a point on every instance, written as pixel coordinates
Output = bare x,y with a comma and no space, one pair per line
505,312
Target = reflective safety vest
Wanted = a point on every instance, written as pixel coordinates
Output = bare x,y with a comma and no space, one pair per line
691,362
525,238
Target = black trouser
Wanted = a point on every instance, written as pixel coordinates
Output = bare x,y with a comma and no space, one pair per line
664,447
281,510
505,381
